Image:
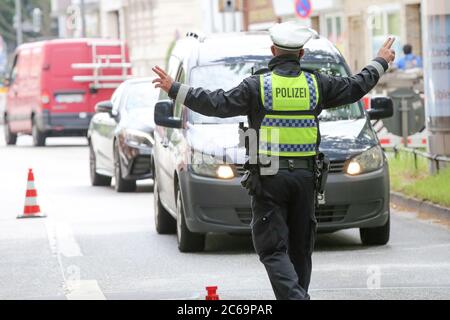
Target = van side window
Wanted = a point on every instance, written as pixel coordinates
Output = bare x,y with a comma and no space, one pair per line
178,110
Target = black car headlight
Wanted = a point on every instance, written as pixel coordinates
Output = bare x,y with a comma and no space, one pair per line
209,166
367,161
136,138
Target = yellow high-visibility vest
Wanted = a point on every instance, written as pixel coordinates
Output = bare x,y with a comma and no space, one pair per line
290,127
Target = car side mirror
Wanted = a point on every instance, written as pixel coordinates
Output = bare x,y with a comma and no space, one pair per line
164,115
381,108
104,107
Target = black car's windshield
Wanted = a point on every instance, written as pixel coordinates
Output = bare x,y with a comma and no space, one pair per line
141,95
228,76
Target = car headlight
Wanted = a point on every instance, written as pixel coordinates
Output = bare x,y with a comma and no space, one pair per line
367,161
138,138
208,166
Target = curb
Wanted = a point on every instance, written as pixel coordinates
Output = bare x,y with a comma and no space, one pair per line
420,206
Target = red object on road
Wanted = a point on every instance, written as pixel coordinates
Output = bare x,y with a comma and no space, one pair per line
31,209
212,293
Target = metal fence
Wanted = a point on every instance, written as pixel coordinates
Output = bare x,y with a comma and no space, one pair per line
436,159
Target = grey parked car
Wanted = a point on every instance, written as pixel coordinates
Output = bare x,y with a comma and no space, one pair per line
193,198
121,136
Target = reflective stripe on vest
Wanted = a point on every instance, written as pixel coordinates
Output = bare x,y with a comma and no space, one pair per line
283,132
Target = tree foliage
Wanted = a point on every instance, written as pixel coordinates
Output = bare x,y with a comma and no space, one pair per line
7,13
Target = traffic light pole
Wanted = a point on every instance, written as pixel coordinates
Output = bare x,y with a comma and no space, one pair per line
83,18
19,31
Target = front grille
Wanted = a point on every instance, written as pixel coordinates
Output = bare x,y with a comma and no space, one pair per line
141,165
239,169
244,214
324,214
327,214
337,166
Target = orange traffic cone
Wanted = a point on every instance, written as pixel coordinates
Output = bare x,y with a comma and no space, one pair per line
31,209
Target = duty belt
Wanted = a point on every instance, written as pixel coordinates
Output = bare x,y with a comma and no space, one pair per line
292,164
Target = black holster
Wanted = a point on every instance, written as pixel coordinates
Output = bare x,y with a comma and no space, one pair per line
252,180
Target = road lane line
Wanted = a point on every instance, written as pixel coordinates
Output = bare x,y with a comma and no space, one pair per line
63,243
62,240
84,290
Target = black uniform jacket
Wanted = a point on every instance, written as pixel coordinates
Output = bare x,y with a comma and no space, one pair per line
245,99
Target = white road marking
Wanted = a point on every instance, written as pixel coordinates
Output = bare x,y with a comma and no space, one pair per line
63,243
61,239
84,290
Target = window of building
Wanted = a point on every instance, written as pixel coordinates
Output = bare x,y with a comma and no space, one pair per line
385,21
333,29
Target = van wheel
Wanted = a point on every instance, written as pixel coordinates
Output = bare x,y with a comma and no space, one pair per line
164,222
187,241
97,180
121,185
39,137
10,138
376,236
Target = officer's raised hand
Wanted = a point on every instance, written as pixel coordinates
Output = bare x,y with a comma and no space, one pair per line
386,52
164,81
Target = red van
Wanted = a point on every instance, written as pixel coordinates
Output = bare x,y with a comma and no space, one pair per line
54,86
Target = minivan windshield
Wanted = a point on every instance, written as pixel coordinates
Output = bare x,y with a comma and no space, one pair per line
228,76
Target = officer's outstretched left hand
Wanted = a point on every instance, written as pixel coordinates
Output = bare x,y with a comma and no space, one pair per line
164,81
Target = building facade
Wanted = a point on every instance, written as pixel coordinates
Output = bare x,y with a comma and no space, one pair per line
68,17
358,28
150,27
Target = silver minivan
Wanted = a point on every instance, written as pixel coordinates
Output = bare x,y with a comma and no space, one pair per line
193,199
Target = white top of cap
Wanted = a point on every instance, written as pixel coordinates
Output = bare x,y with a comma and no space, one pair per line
290,36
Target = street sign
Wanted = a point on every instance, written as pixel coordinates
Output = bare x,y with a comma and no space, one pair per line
303,8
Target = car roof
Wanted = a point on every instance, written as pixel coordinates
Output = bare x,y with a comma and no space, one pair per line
248,46
139,80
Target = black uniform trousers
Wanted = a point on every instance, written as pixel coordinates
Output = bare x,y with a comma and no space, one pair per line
284,228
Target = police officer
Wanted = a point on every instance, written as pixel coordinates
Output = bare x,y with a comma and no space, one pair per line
287,100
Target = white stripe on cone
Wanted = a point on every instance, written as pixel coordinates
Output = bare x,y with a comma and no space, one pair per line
31,201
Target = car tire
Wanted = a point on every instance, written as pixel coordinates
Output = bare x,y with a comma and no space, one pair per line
376,236
187,241
39,137
10,138
97,180
121,185
164,222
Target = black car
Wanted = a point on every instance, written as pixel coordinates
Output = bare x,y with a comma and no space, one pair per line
121,136
199,161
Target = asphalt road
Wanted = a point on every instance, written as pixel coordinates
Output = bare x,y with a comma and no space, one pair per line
97,244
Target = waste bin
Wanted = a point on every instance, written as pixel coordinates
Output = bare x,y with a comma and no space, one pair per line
409,113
